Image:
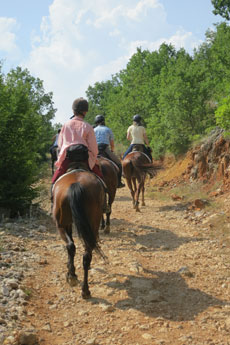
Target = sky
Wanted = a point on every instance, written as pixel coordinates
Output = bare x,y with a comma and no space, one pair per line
71,44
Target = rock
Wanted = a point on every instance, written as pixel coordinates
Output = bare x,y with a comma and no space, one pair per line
27,338
199,203
147,336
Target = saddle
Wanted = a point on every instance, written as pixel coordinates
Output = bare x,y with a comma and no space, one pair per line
138,147
101,150
78,156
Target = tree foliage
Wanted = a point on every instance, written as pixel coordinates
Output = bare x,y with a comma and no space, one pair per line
175,93
222,7
25,115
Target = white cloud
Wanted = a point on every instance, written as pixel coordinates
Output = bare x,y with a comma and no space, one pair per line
141,8
114,33
85,41
180,39
8,37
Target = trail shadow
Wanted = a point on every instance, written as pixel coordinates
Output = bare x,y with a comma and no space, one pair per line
152,238
175,299
163,239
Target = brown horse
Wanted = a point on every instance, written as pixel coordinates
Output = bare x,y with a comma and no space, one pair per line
110,174
54,156
78,198
136,165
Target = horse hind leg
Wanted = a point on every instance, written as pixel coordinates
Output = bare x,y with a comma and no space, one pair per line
87,258
137,195
129,183
143,194
66,235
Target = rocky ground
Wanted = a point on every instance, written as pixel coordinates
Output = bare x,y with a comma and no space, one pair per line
167,279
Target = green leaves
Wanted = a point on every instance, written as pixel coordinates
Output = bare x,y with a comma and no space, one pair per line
175,93
222,7
25,115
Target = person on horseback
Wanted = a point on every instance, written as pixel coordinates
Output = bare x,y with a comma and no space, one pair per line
55,140
136,133
77,132
105,142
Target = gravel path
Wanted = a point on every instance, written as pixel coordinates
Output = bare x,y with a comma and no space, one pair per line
167,280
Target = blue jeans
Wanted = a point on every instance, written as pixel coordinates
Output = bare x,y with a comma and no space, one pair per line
130,150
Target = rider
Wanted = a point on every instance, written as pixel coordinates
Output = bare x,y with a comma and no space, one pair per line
55,140
136,133
105,141
77,131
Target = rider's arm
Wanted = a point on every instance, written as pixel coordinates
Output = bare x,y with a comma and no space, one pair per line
129,137
112,145
146,139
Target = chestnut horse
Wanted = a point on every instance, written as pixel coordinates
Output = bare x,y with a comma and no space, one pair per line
110,175
78,198
136,165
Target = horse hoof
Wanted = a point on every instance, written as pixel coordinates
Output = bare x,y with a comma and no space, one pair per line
72,280
86,294
143,204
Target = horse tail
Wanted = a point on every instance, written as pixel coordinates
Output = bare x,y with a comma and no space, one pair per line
149,168
77,200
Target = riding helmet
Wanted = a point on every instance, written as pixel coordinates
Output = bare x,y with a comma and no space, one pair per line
80,105
137,118
99,119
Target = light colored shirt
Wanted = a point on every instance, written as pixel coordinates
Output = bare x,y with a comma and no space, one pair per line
103,134
77,131
56,140
137,134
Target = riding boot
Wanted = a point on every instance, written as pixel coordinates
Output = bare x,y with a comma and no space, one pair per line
120,184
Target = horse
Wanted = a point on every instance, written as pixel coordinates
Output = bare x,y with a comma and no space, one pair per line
78,198
110,174
54,156
136,165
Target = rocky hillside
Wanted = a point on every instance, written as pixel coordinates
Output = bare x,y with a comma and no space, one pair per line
208,162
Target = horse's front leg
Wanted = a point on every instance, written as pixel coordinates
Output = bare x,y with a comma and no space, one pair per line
107,228
87,257
102,222
66,235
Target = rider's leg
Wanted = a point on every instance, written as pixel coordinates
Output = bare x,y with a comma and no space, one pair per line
147,151
97,171
116,160
127,151
61,170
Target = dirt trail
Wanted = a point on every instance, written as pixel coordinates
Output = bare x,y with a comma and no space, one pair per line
167,282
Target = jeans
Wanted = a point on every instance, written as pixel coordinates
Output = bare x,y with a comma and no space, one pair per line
146,151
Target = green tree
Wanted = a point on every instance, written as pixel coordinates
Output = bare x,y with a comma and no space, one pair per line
25,114
223,114
222,8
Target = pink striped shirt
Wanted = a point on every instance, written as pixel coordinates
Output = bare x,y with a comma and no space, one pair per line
77,131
